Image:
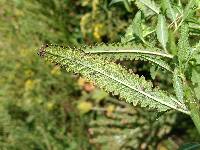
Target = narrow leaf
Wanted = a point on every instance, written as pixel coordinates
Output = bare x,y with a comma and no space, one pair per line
172,43
137,25
134,29
128,51
170,11
189,9
162,31
178,86
151,5
115,1
190,146
126,4
112,78
183,46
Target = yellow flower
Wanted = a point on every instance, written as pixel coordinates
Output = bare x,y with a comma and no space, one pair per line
81,82
84,107
85,2
98,31
29,85
50,105
110,109
95,5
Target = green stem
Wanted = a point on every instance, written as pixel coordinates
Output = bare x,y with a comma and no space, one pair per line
195,115
193,105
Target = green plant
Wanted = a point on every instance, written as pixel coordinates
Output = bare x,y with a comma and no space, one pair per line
165,34
36,114
102,23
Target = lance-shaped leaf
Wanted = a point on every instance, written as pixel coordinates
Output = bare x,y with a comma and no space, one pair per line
126,4
112,78
190,146
151,5
137,26
189,8
119,51
183,46
178,86
170,11
162,31
115,1
134,29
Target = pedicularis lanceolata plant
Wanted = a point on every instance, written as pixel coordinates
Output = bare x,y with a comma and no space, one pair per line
164,33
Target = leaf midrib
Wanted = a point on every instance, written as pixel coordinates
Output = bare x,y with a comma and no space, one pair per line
131,51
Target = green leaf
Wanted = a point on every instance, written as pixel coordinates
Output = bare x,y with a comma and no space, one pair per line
137,25
190,146
134,29
126,4
112,78
153,72
178,85
170,11
196,81
115,1
183,46
172,43
162,31
118,51
196,53
151,5
189,9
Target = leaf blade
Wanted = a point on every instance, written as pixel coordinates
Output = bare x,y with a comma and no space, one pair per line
117,51
178,86
151,5
130,87
162,31
183,46
170,12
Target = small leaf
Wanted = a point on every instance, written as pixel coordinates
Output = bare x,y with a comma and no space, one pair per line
153,72
172,43
115,1
134,29
189,9
196,53
151,5
126,4
162,31
196,81
183,46
190,146
170,11
178,85
137,25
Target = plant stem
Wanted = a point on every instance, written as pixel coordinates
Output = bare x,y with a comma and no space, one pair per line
195,115
193,105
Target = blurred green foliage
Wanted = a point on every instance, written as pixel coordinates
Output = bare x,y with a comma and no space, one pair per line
102,22
42,108
36,101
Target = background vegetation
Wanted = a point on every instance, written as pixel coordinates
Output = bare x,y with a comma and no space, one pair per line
43,108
